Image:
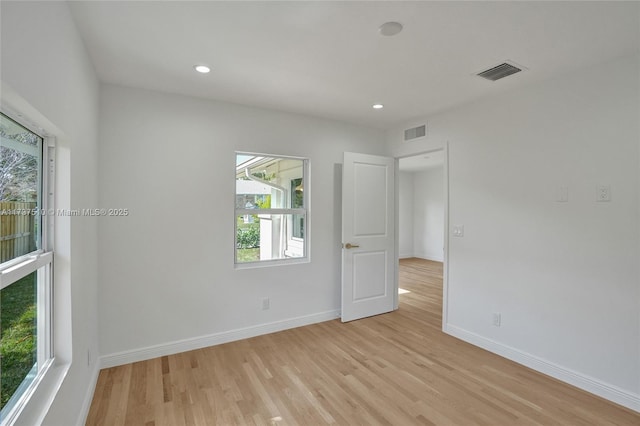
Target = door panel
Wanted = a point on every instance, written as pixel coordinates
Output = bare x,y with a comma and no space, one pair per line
367,267
370,180
368,257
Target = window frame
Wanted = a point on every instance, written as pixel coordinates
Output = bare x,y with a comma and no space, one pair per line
305,211
39,261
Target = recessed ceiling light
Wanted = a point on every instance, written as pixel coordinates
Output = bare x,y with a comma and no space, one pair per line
202,68
378,106
389,29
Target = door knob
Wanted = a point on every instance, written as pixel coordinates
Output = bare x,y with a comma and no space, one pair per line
349,245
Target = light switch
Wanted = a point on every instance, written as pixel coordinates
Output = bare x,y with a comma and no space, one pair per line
563,194
458,230
497,319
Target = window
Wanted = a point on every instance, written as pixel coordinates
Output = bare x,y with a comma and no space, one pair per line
25,263
271,208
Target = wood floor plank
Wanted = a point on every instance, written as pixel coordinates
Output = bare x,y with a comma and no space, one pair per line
392,369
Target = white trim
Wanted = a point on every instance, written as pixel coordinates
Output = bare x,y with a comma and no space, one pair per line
47,199
422,255
20,396
30,263
582,381
142,354
49,376
37,407
396,233
20,399
445,260
430,256
305,211
273,262
268,212
88,398
445,255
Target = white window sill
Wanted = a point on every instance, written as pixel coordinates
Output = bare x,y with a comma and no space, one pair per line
268,263
36,405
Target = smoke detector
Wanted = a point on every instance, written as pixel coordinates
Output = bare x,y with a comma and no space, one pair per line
389,29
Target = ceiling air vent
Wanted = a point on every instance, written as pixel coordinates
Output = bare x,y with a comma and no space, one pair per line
415,132
499,71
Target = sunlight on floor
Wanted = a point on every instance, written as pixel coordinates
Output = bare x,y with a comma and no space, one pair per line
402,291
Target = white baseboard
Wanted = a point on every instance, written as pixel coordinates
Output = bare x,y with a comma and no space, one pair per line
171,348
405,256
430,256
86,404
579,380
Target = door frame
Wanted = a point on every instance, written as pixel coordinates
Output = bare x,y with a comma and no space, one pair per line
445,264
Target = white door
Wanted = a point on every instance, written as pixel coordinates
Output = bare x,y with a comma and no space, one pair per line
368,236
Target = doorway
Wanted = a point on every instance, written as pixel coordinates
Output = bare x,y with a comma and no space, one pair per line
422,220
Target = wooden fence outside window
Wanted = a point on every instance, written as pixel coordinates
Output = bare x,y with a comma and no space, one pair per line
17,230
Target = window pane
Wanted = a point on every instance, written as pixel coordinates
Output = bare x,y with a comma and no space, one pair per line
297,200
18,341
20,164
267,237
268,182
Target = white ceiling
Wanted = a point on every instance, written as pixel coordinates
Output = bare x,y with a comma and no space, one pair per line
327,59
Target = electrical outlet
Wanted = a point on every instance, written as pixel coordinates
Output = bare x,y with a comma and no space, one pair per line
265,304
497,319
603,193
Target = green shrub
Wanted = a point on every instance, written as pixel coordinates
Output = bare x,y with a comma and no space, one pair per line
248,237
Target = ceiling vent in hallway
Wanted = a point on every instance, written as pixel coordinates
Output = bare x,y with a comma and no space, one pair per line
499,71
415,132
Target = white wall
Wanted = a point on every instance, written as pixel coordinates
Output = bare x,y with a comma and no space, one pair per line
428,214
421,214
47,76
564,275
166,270
405,214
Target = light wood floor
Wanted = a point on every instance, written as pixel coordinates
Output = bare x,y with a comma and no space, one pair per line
393,369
